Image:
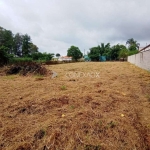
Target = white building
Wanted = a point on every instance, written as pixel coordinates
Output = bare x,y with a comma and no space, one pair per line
65,58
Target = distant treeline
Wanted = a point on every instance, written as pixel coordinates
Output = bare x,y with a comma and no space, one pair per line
115,52
13,47
18,47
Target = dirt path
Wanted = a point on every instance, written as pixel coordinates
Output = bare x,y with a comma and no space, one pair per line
106,107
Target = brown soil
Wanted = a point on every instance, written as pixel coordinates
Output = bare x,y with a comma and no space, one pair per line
108,112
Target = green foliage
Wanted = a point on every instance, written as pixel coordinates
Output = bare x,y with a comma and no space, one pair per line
115,51
4,57
94,53
63,87
104,49
100,50
72,107
92,147
132,44
37,57
74,52
42,56
17,60
17,44
132,52
148,97
111,124
33,48
10,77
6,39
123,53
26,45
48,56
111,53
57,55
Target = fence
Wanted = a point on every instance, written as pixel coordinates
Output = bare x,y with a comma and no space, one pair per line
142,59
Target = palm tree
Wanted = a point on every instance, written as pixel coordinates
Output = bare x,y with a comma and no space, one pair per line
104,48
132,44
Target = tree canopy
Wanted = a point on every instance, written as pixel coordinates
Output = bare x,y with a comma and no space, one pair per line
94,53
57,55
74,52
132,44
19,45
112,53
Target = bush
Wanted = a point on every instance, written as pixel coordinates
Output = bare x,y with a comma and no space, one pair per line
18,60
4,57
123,54
133,52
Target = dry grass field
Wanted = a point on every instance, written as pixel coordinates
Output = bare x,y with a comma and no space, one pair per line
109,112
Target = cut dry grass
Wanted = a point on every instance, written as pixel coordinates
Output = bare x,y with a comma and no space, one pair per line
105,113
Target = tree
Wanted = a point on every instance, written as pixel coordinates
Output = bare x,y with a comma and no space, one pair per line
17,44
57,55
123,54
100,50
48,56
105,50
26,45
4,57
115,50
133,52
33,48
74,52
42,56
132,44
6,39
94,53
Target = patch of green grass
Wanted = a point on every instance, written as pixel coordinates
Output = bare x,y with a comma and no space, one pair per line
100,123
92,147
39,77
148,97
111,124
72,107
10,77
63,87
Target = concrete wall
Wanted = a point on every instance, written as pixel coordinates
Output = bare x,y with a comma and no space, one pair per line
141,60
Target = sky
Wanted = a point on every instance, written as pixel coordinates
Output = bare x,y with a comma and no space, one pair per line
55,25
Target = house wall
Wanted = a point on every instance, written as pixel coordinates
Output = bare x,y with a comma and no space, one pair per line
65,59
141,60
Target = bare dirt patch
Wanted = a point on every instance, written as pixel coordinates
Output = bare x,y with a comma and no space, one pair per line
69,113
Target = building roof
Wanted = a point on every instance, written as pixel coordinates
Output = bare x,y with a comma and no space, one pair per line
145,48
65,57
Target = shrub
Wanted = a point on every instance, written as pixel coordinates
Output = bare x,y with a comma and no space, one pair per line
19,60
4,57
132,52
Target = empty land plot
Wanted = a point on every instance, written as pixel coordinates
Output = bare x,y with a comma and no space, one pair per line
75,111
